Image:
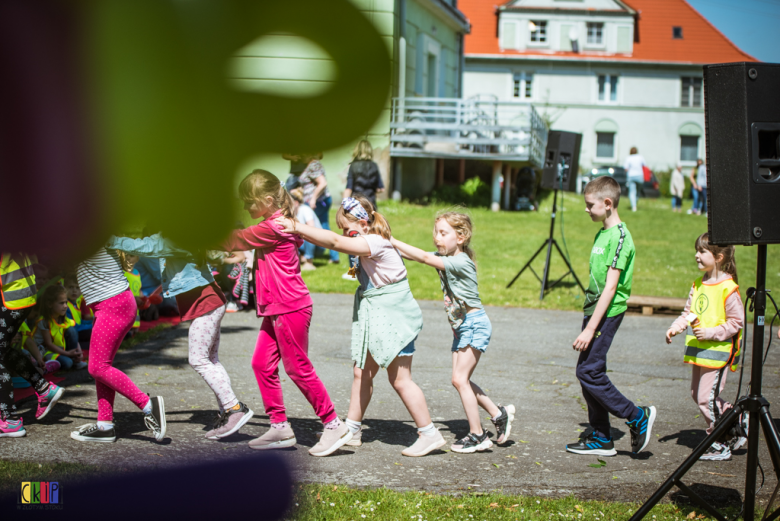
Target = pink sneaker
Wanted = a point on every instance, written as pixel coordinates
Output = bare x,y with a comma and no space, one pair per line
46,402
12,429
51,366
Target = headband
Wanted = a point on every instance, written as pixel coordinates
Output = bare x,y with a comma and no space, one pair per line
352,206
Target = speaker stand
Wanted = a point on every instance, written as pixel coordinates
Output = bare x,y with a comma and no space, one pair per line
548,243
756,405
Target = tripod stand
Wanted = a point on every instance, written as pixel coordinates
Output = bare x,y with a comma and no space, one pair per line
756,405
549,243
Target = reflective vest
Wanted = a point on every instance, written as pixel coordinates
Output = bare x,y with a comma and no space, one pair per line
57,331
75,312
134,279
17,281
709,304
24,334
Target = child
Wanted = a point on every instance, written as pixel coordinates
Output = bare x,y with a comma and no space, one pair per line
199,299
284,302
304,213
134,280
78,310
611,269
386,318
454,261
107,293
52,330
715,313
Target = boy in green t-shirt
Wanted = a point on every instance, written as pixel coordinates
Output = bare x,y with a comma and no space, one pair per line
611,269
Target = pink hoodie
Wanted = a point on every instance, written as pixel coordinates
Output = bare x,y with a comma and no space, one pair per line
279,286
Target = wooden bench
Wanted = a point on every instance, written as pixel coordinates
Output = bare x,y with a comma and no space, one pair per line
661,305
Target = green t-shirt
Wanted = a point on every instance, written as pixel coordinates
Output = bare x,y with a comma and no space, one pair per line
613,248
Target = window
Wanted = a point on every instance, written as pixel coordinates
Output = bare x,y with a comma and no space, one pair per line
605,144
689,148
523,87
608,86
677,33
691,92
538,31
595,33
432,77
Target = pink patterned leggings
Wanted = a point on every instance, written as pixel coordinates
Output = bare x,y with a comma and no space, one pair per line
113,319
204,356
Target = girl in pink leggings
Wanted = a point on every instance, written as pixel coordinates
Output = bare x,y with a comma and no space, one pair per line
284,302
107,293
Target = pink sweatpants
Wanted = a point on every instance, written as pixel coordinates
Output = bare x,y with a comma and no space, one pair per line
113,319
286,338
703,383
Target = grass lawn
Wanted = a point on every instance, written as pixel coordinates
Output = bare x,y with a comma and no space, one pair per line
505,241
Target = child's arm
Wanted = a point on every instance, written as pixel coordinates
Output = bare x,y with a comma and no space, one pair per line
681,323
154,246
356,246
261,235
416,254
734,320
584,339
29,345
49,344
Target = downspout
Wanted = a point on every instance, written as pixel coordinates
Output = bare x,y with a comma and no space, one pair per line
401,115
462,60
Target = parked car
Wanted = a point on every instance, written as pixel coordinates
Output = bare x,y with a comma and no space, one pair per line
647,189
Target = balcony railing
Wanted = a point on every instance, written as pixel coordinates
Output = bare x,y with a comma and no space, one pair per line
467,128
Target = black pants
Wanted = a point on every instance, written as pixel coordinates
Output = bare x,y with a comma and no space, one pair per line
14,360
600,393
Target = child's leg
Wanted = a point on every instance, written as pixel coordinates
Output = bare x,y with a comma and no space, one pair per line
292,333
708,381
464,361
399,372
22,365
113,319
362,389
265,363
7,403
204,345
66,362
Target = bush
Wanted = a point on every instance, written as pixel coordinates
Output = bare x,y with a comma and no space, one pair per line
472,194
664,178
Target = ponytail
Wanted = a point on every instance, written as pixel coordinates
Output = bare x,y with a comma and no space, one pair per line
729,262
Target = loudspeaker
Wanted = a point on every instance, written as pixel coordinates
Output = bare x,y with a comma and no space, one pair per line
561,161
742,128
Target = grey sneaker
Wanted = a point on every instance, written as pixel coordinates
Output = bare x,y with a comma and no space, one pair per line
230,422
357,438
274,439
331,440
424,445
156,420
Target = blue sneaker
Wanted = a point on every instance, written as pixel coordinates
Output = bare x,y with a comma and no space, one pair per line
593,445
641,429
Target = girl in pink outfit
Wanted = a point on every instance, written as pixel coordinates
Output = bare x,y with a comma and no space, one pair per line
284,302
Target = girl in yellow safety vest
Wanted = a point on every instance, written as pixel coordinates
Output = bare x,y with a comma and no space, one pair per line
55,332
713,317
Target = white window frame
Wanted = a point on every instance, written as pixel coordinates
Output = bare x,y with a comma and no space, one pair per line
600,159
546,42
698,151
596,45
691,91
523,78
608,89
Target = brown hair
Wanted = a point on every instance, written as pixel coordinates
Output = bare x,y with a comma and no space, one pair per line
51,294
261,184
377,224
633,150
363,151
729,262
604,187
462,225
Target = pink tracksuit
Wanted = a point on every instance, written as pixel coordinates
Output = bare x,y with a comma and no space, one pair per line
284,302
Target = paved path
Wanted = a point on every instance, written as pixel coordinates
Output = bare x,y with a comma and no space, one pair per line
530,363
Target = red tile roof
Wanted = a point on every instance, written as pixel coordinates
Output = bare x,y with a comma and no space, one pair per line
701,42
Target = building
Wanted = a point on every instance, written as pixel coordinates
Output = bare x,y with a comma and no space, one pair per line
623,73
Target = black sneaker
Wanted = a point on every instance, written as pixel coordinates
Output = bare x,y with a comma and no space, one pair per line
717,452
91,432
641,429
156,420
472,443
504,423
593,445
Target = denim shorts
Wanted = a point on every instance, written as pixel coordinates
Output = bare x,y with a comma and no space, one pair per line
475,331
408,350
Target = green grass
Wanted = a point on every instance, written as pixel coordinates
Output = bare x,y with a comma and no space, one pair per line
13,473
505,241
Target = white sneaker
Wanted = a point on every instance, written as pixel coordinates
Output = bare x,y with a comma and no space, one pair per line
231,307
331,440
424,445
717,452
80,365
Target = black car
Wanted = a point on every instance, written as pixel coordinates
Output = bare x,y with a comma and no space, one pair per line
647,189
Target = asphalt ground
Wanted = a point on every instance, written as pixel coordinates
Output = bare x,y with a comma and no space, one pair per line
530,363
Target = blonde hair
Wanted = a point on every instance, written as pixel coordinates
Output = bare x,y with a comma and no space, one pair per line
126,264
377,224
297,194
729,262
604,187
363,151
261,184
463,226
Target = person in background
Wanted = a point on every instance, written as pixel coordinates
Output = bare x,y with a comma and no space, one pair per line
51,330
676,188
698,179
305,215
78,310
634,166
363,176
315,193
134,279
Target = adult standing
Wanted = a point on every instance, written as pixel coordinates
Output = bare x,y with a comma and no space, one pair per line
315,193
699,182
363,177
676,188
634,166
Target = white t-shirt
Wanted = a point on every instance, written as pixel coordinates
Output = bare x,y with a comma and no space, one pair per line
305,215
384,265
633,166
701,175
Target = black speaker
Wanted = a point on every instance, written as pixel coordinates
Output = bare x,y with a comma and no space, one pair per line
561,160
742,128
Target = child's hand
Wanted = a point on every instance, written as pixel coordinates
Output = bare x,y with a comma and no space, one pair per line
583,340
288,225
236,257
669,334
701,333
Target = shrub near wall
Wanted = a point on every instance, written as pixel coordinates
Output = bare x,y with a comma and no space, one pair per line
664,178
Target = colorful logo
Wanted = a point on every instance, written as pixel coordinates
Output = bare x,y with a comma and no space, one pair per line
702,303
40,493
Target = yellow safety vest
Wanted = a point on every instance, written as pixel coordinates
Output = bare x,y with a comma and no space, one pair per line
134,279
57,331
24,331
709,304
75,311
17,280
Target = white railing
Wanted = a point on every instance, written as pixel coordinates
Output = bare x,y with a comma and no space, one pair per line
467,128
